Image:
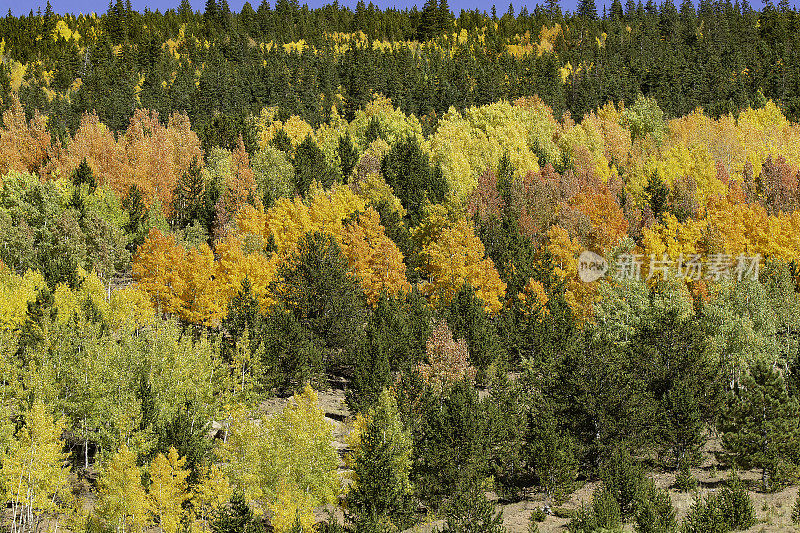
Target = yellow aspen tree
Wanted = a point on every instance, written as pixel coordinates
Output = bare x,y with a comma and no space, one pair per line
16,292
580,296
454,256
154,268
168,490
291,507
234,264
196,288
130,305
123,502
285,455
373,257
533,298
35,472
211,494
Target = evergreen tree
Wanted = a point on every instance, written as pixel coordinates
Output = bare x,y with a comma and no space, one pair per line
760,425
466,316
382,493
310,164
429,21
551,454
348,155
449,439
236,518
318,290
407,169
654,511
587,10
84,175
469,511
188,199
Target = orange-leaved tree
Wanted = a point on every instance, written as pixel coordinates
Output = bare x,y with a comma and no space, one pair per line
24,145
179,281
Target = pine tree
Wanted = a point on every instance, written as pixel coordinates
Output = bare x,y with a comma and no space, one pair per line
407,169
551,453
553,9
429,19
316,287
310,165
761,422
449,439
83,174
188,199
348,155
235,518
382,493
466,315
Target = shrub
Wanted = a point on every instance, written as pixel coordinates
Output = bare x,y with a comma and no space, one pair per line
736,505
562,512
796,510
684,480
654,511
705,516
538,515
623,478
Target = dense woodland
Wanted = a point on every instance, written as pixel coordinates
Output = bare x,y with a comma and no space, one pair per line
203,212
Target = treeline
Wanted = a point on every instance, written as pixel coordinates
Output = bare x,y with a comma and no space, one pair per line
220,67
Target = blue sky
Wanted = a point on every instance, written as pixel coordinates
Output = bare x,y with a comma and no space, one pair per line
21,7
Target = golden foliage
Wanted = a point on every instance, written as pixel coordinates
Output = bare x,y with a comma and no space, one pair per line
179,281
455,256
149,155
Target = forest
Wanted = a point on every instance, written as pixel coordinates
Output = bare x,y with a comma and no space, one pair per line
297,269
